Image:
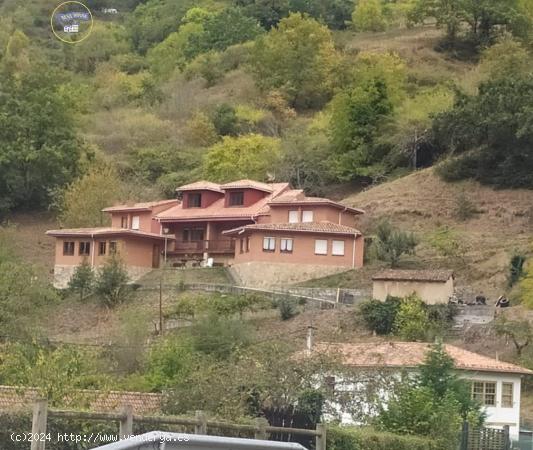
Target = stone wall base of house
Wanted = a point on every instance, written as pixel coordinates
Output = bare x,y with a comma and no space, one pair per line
63,274
267,274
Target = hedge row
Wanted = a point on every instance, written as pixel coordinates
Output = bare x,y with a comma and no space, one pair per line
359,438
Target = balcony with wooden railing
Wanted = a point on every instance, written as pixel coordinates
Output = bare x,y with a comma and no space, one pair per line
204,246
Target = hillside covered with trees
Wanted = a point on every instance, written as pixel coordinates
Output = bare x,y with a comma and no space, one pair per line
428,102
318,93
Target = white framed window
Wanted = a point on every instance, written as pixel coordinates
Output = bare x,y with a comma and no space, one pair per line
337,248
269,244
135,222
293,216
321,247
307,216
507,395
286,245
484,392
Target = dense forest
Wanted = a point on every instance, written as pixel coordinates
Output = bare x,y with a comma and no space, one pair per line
166,92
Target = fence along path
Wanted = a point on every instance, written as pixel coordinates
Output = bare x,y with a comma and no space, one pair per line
260,429
240,290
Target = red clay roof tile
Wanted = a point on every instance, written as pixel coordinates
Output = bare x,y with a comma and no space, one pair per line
410,355
414,275
302,227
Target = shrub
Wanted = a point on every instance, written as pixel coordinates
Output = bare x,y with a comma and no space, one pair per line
390,244
412,320
82,280
359,438
464,208
218,336
380,316
287,310
111,282
516,269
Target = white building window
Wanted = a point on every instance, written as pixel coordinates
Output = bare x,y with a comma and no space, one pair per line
321,247
337,248
135,223
507,395
307,216
269,244
286,245
484,392
293,216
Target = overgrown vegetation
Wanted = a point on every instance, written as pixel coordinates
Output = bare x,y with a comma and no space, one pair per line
408,318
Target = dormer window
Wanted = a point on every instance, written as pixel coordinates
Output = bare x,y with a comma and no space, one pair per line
236,198
195,200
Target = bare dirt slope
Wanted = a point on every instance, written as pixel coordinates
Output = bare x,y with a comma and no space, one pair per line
423,203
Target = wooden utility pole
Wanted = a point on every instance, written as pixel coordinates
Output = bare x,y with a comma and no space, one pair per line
161,304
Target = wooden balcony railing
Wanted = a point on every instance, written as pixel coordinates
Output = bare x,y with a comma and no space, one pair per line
211,246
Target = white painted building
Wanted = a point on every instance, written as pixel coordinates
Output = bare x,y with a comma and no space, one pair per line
495,384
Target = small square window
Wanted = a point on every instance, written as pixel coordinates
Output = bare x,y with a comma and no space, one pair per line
321,247
294,216
68,248
337,248
307,216
195,200
236,198
286,245
112,247
85,248
484,392
124,222
102,248
269,244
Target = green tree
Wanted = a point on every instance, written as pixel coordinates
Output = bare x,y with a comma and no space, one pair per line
506,58
228,27
412,320
380,316
99,188
225,120
355,117
82,280
111,282
299,59
219,336
490,136
485,18
169,361
252,156
432,404
154,20
40,150
368,16
390,244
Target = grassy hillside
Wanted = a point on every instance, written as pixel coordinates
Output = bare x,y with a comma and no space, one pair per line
421,202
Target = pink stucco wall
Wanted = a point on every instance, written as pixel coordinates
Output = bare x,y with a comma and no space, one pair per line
303,249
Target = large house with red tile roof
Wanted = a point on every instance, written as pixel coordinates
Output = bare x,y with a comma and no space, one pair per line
495,384
256,228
